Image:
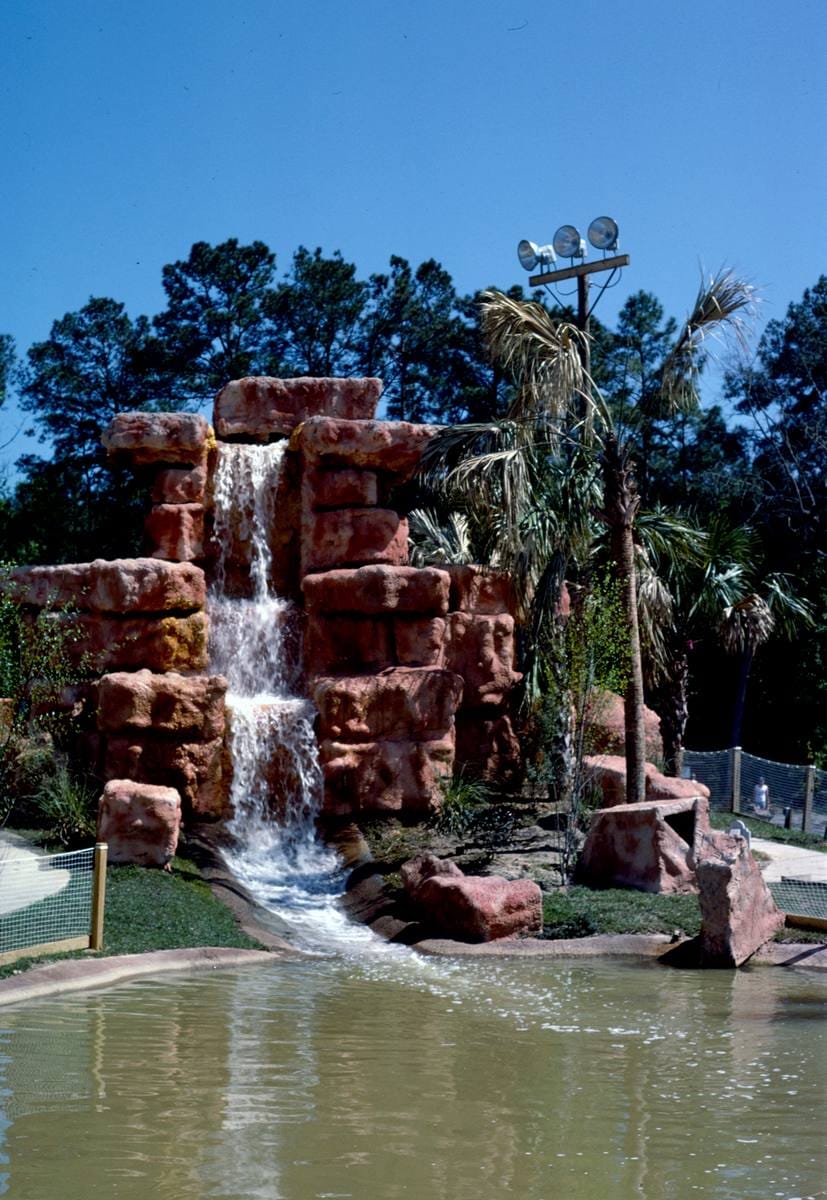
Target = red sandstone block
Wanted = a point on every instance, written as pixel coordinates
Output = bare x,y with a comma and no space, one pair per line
340,489
346,645
352,537
195,769
180,485
487,745
189,708
481,650
392,446
378,589
139,822
120,585
157,643
399,704
176,531
158,437
738,913
608,772
419,641
606,726
476,908
257,409
480,590
387,776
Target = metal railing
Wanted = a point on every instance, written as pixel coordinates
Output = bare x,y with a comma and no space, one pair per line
51,903
796,795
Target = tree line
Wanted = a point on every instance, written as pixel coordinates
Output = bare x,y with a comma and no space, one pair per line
751,477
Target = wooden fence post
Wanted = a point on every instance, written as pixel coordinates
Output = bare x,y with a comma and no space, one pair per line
98,896
735,769
809,789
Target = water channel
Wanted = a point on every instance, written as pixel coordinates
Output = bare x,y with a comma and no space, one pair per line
365,1070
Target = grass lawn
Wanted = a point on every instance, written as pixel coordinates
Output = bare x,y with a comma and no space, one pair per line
770,832
582,911
157,910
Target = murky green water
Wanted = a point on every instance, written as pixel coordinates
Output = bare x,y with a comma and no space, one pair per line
396,1077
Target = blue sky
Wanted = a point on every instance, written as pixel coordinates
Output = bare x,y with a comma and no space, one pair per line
426,128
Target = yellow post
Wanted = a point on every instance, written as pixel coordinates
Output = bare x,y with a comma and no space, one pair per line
98,896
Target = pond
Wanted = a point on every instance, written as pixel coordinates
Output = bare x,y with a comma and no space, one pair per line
382,1074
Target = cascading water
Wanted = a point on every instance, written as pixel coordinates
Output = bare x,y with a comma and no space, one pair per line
276,783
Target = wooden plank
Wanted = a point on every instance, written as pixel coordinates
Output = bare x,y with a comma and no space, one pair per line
800,921
75,943
604,264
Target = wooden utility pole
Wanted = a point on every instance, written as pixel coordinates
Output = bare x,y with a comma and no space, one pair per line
581,273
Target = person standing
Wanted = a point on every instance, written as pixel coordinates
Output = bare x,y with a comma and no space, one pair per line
761,797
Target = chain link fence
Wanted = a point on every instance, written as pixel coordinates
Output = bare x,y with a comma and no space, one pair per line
796,795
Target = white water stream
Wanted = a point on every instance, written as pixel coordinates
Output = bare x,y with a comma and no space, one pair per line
276,789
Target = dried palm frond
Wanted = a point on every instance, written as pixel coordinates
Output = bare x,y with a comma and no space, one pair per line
721,307
545,358
746,625
436,539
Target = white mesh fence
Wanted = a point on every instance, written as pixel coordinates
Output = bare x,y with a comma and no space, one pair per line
805,898
787,787
44,898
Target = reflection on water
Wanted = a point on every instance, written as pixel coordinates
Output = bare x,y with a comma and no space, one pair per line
403,1077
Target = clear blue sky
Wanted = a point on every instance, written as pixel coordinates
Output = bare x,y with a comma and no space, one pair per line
426,128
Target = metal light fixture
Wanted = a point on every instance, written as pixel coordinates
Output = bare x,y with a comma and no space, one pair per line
603,233
568,243
531,255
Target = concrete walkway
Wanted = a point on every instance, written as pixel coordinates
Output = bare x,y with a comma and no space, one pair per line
23,879
791,862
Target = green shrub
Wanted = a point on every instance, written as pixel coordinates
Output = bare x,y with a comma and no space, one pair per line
65,806
462,799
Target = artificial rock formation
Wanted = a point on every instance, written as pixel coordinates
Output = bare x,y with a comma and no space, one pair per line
404,664
140,822
471,908
738,913
607,772
652,846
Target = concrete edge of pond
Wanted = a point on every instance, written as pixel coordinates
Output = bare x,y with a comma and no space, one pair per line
78,974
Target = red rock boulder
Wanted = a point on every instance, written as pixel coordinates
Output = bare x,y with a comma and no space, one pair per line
146,437
476,908
394,705
163,643
488,745
651,847
476,589
257,409
481,650
419,641
332,489
394,447
188,708
738,913
140,823
180,485
120,585
346,645
373,590
606,726
385,776
607,772
194,769
176,531
423,866
351,537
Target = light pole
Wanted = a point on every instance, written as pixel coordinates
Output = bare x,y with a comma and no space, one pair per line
567,243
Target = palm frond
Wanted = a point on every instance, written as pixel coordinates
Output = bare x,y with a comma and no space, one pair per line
721,307
436,539
746,625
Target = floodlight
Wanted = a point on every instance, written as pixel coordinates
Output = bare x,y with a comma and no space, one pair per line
568,242
603,233
532,255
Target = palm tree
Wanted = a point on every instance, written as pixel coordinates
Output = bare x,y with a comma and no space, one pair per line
559,440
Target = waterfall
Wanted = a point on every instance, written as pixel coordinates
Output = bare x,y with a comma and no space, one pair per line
276,788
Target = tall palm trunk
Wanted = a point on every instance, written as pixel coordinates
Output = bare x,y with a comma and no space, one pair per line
621,503
745,667
673,706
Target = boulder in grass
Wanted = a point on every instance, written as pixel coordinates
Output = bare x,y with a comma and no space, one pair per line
738,913
477,908
139,822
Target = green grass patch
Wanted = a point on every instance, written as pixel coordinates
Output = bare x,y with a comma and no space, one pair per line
583,912
770,832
